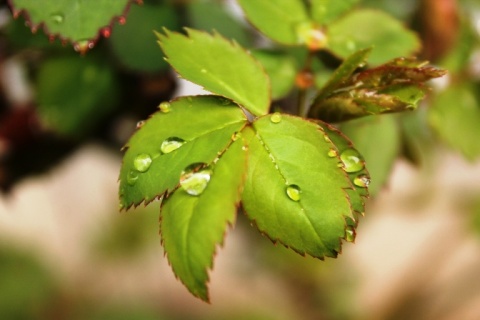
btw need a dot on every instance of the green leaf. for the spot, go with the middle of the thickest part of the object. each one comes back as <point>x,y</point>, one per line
<point>454,115</point>
<point>193,131</point>
<point>280,20</point>
<point>220,66</point>
<point>369,134</point>
<point>134,43</point>
<point>78,21</point>
<point>366,28</point>
<point>211,15</point>
<point>281,69</point>
<point>295,191</point>
<point>193,226</point>
<point>350,158</point>
<point>326,11</point>
<point>75,93</point>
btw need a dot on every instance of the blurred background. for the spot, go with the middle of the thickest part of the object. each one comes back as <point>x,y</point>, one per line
<point>67,253</point>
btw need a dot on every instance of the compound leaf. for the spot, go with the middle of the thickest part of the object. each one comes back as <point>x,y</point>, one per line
<point>296,191</point>
<point>193,225</point>
<point>366,28</point>
<point>194,130</point>
<point>78,21</point>
<point>280,20</point>
<point>218,65</point>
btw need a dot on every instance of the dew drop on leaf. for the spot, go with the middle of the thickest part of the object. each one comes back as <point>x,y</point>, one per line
<point>332,153</point>
<point>194,178</point>
<point>164,107</point>
<point>203,70</point>
<point>142,162</point>
<point>140,124</point>
<point>293,192</point>
<point>276,117</point>
<point>171,144</point>
<point>57,18</point>
<point>361,181</point>
<point>132,177</point>
<point>351,161</point>
<point>350,234</point>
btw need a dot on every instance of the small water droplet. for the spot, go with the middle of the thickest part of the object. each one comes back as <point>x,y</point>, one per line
<point>203,70</point>
<point>140,124</point>
<point>142,162</point>
<point>351,160</point>
<point>195,178</point>
<point>236,136</point>
<point>164,107</point>
<point>276,117</point>
<point>122,20</point>
<point>132,177</point>
<point>350,234</point>
<point>171,144</point>
<point>106,32</point>
<point>83,46</point>
<point>361,181</point>
<point>351,45</point>
<point>332,153</point>
<point>293,192</point>
<point>57,18</point>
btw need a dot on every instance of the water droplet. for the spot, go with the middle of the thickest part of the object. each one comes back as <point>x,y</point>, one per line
<point>350,234</point>
<point>83,46</point>
<point>195,178</point>
<point>57,18</point>
<point>132,177</point>
<point>276,117</point>
<point>351,45</point>
<point>332,153</point>
<point>293,192</point>
<point>362,181</point>
<point>122,20</point>
<point>351,160</point>
<point>203,70</point>
<point>171,144</point>
<point>164,107</point>
<point>106,32</point>
<point>142,162</point>
<point>140,124</point>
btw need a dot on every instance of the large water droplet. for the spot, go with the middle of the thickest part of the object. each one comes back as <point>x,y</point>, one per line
<point>276,117</point>
<point>361,181</point>
<point>195,178</point>
<point>57,18</point>
<point>142,162</point>
<point>132,177</point>
<point>351,160</point>
<point>164,107</point>
<point>171,144</point>
<point>293,192</point>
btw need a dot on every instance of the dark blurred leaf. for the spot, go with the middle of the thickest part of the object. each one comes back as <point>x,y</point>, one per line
<point>210,15</point>
<point>366,28</point>
<point>135,45</point>
<point>280,20</point>
<point>281,69</point>
<point>27,287</point>
<point>455,116</point>
<point>75,93</point>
